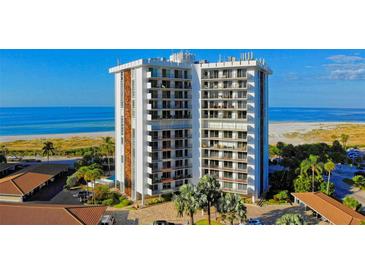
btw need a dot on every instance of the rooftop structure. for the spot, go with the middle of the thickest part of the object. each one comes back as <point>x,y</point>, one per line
<point>330,209</point>
<point>19,185</point>
<point>46,214</point>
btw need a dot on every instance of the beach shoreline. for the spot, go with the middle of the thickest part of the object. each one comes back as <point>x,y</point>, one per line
<point>287,132</point>
<point>57,136</point>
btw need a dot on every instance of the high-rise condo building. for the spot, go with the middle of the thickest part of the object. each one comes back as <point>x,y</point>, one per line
<point>176,120</point>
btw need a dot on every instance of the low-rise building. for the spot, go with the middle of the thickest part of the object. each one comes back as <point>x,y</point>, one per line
<point>20,185</point>
<point>328,208</point>
<point>46,214</point>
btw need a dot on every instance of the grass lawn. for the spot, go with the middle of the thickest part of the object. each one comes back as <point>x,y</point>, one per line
<point>205,222</point>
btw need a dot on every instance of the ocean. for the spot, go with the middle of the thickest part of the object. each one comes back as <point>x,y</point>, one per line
<point>61,120</point>
<point>55,120</point>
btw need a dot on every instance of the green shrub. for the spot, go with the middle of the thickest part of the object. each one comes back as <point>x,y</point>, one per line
<point>167,197</point>
<point>352,203</point>
<point>282,196</point>
<point>154,201</point>
<point>115,196</point>
<point>108,202</point>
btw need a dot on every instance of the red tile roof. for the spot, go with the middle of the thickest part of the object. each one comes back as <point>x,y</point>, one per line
<point>329,208</point>
<point>45,214</point>
<point>24,181</point>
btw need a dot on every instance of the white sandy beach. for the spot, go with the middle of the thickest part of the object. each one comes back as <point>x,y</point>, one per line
<point>277,131</point>
<point>56,136</point>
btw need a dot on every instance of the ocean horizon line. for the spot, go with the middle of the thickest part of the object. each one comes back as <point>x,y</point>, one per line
<point>93,106</point>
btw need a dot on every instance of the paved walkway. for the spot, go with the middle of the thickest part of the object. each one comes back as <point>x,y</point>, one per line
<point>166,211</point>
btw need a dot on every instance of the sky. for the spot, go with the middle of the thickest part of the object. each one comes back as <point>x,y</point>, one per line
<point>301,78</point>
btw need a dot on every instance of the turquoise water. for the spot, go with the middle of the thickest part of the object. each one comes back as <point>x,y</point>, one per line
<point>55,120</point>
<point>60,120</point>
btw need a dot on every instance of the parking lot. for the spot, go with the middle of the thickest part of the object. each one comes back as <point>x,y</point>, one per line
<point>54,193</point>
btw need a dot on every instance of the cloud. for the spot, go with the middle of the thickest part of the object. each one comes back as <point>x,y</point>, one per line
<point>345,67</point>
<point>345,58</point>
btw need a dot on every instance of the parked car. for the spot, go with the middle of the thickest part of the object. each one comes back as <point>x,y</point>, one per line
<point>254,221</point>
<point>107,220</point>
<point>83,195</point>
<point>162,222</point>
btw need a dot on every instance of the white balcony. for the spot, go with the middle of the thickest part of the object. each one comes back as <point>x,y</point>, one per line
<point>149,74</point>
<point>149,170</point>
<point>149,149</point>
<point>149,85</point>
<point>149,106</point>
<point>149,118</point>
<point>149,181</point>
<point>149,160</point>
<point>149,137</point>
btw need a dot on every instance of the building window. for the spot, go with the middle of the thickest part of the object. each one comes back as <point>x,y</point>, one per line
<point>166,164</point>
<point>155,187</point>
<point>227,164</point>
<point>242,166</point>
<point>242,187</point>
<point>242,176</point>
<point>179,183</point>
<point>166,155</point>
<point>179,153</point>
<point>228,175</point>
<point>227,185</point>
<point>166,186</point>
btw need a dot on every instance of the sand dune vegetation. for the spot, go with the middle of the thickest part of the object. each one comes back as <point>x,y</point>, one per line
<point>72,146</point>
<point>327,134</point>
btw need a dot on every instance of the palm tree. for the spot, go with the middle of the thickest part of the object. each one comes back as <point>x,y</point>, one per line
<point>290,219</point>
<point>344,138</point>
<point>80,174</point>
<point>209,193</point>
<point>4,150</point>
<point>48,149</point>
<point>107,149</point>
<point>311,164</point>
<point>231,207</point>
<point>92,174</point>
<point>187,201</point>
<point>329,167</point>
